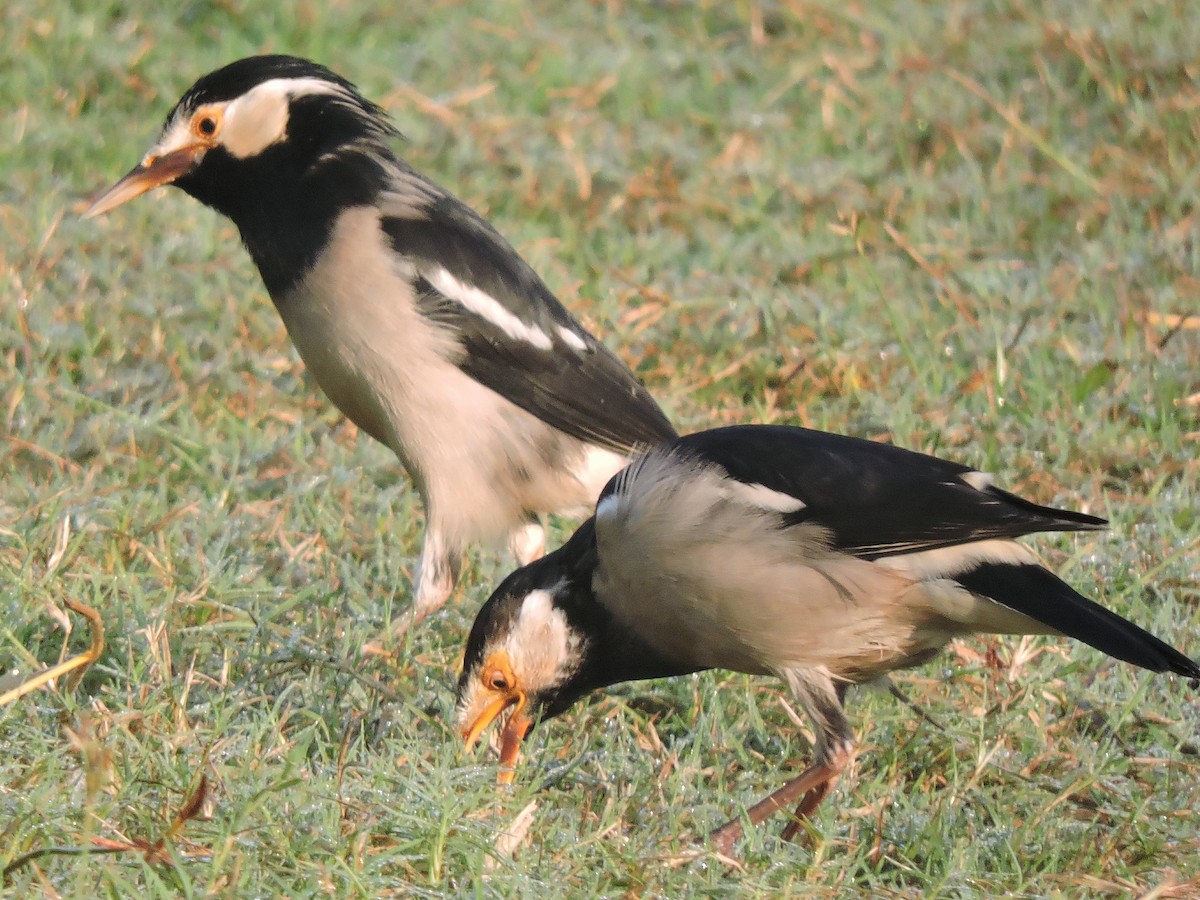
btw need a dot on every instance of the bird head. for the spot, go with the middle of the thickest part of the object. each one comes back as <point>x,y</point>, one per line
<point>528,654</point>
<point>264,115</point>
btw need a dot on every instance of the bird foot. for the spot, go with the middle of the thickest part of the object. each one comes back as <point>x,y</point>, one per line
<point>723,839</point>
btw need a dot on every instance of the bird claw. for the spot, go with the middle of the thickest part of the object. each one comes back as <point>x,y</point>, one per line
<point>723,839</point>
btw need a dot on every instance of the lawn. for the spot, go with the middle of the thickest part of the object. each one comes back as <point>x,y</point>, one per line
<point>966,228</point>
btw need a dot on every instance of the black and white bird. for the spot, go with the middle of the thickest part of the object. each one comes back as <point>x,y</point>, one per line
<point>417,319</point>
<point>825,560</point>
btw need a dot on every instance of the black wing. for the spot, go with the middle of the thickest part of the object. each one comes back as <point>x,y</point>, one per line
<point>527,347</point>
<point>876,499</point>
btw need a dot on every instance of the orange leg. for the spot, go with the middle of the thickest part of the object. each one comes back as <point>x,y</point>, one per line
<point>812,786</point>
<point>808,805</point>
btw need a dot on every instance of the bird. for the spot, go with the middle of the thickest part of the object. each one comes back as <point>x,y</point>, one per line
<point>823,559</point>
<point>417,319</point>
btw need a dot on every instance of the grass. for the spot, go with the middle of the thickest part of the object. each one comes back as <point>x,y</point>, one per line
<point>966,228</point>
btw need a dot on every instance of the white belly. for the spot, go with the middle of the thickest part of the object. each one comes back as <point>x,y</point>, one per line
<point>481,463</point>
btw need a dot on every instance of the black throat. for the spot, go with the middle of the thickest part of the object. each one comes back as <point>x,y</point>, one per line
<point>286,200</point>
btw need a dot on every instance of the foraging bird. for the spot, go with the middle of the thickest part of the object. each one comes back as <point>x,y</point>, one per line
<point>417,319</point>
<point>823,559</point>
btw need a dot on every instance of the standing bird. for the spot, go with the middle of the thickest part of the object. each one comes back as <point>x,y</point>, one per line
<point>825,560</point>
<point>417,319</point>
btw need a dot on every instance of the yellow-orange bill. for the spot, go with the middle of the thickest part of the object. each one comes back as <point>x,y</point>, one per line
<point>514,732</point>
<point>486,717</point>
<point>150,173</point>
<point>510,744</point>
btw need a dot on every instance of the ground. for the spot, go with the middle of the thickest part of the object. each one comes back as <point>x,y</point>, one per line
<point>965,228</point>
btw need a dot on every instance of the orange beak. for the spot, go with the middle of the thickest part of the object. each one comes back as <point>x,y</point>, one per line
<point>150,173</point>
<point>514,732</point>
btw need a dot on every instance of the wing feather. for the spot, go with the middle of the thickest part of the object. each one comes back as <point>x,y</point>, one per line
<point>516,338</point>
<point>877,500</point>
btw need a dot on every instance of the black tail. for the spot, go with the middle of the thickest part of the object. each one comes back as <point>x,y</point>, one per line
<point>1037,593</point>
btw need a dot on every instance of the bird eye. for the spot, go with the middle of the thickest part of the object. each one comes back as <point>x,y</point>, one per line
<point>205,125</point>
<point>498,682</point>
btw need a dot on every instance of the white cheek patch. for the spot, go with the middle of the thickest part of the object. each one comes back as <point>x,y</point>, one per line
<point>541,648</point>
<point>541,645</point>
<point>254,122</point>
<point>259,118</point>
<point>251,123</point>
<point>487,307</point>
<point>763,497</point>
<point>539,621</point>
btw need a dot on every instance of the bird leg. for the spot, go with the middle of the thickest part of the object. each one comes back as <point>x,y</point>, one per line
<point>437,573</point>
<point>528,541</point>
<point>812,785</point>
<point>811,800</point>
<point>822,698</point>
